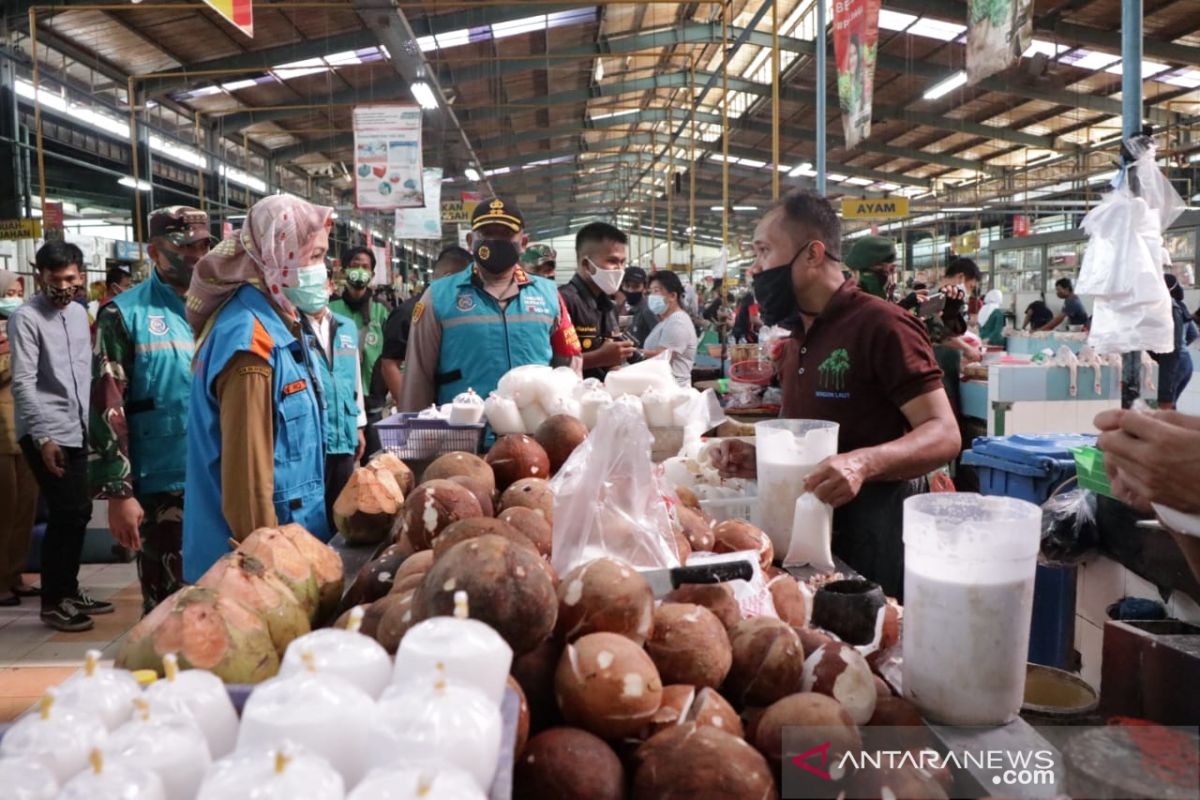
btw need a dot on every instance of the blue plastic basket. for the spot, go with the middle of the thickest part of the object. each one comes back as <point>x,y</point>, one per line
<point>412,439</point>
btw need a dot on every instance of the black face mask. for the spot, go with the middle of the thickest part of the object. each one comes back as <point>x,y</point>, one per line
<point>496,255</point>
<point>633,298</point>
<point>773,288</point>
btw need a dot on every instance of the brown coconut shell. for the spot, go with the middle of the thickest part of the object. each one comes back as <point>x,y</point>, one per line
<point>710,708</point>
<point>840,671</point>
<point>532,493</point>
<point>896,712</point>
<point>812,638</point>
<point>791,603</point>
<point>689,645</point>
<point>415,564</point>
<point>535,672</point>
<point>395,621</point>
<point>568,764</point>
<point>517,456</point>
<point>823,716</point>
<point>604,595</point>
<point>400,471</point>
<point>559,435</point>
<point>683,548</point>
<point>911,783</point>
<point>716,597</point>
<point>701,761</point>
<point>687,497</point>
<point>506,587</point>
<point>677,700</point>
<point>696,528</point>
<point>375,579</point>
<point>434,506</point>
<point>606,684</point>
<point>466,529</point>
<point>734,535</point>
<point>532,524</point>
<point>366,508</point>
<point>486,499</point>
<point>409,583</point>
<point>374,613</point>
<point>522,716</point>
<point>244,578</point>
<point>768,662</point>
<point>461,465</point>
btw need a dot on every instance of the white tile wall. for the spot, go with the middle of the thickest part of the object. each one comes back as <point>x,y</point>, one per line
<point>1091,641</point>
<point>1053,417</point>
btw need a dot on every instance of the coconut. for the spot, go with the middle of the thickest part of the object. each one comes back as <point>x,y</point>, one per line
<point>523,716</point>
<point>205,630</point>
<point>734,535</point>
<point>812,638</point>
<point>696,528</point>
<point>395,621</point>
<point>716,597</point>
<point>374,612</point>
<point>366,507</point>
<point>815,719</point>
<point>895,712</point>
<point>909,782</point>
<point>677,700</point>
<point>244,578</point>
<point>375,579</point>
<point>534,671</point>
<point>532,524</point>
<point>466,529</point>
<point>531,493</point>
<point>570,764</point>
<point>689,645</point>
<point>270,546</point>
<point>682,546</point>
<point>486,499</point>
<point>559,436</point>
<point>840,671</point>
<point>887,635</point>
<point>687,497</point>
<point>409,583</point>
<point>433,506</point>
<point>515,457</point>
<point>605,595</point>
<point>400,471</point>
<point>464,465</point>
<point>710,708</point>
<point>882,690</point>
<point>606,684</point>
<point>506,586</point>
<point>790,601</point>
<point>415,564</point>
<point>691,760</point>
<point>768,662</point>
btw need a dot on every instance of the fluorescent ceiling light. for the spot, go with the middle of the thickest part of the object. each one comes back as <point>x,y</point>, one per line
<point>854,181</point>
<point>243,178</point>
<point>1087,59</point>
<point>937,29</point>
<point>751,162</point>
<point>236,85</point>
<point>141,186</point>
<point>471,174</point>
<point>296,69</point>
<point>894,21</point>
<point>499,171</point>
<point>944,87</point>
<point>803,169</point>
<point>599,73</point>
<point>836,177</point>
<point>424,95</point>
<point>745,208</point>
<point>612,114</point>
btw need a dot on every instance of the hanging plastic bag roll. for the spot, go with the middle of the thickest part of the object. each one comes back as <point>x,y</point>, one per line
<point>812,534</point>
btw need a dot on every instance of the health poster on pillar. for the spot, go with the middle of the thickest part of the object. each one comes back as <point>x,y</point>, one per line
<point>855,43</point>
<point>424,222</point>
<point>387,157</point>
<point>998,32</point>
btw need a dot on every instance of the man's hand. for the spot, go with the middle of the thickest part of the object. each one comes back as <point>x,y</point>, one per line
<point>362,445</point>
<point>970,353</point>
<point>734,458</point>
<point>954,291</point>
<point>612,353</point>
<point>1152,457</point>
<point>54,459</point>
<point>125,517</point>
<point>837,480</point>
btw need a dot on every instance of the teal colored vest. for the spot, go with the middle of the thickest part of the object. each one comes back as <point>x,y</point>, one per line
<point>156,405</point>
<point>338,382</point>
<point>480,341</point>
<point>299,429</point>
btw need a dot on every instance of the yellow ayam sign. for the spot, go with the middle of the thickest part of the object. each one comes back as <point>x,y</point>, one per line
<point>874,207</point>
<point>20,229</point>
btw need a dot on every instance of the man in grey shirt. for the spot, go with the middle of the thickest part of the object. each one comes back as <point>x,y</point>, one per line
<point>51,379</point>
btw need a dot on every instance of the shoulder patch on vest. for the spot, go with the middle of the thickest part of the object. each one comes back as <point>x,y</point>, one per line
<point>295,386</point>
<point>418,310</point>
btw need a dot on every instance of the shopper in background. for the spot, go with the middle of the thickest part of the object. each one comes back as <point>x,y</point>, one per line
<point>991,318</point>
<point>1037,314</point>
<point>116,281</point>
<point>18,488</point>
<point>255,420</point>
<point>861,362</point>
<point>1073,311</point>
<point>746,320</point>
<point>874,259</point>
<point>675,331</point>
<point>541,260</point>
<point>51,373</point>
<point>601,252</point>
<point>370,317</point>
<point>471,328</point>
<point>1175,368</point>
<point>450,261</point>
<point>643,319</point>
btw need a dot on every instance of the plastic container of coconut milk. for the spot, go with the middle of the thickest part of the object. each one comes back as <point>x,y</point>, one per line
<point>787,450</point>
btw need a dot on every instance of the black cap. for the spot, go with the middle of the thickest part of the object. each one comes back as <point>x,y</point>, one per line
<point>635,274</point>
<point>497,211</point>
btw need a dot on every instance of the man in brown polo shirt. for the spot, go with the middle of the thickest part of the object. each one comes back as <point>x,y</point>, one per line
<point>859,361</point>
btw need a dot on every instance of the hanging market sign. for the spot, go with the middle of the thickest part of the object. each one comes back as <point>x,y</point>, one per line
<point>874,207</point>
<point>424,222</point>
<point>458,212</point>
<point>855,43</point>
<point>387,157</point>
<point>20,229</point>
<point>998,32</point>
<point>966,244</point>
<point>238,13</point>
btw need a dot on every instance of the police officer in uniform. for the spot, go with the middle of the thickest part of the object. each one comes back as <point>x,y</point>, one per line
<point>470,328</point>
<point>141,380</point>
<point>601,250</point>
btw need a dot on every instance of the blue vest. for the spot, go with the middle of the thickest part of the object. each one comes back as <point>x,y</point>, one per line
<point>339,380</point>
<point>481,341</point>
<point>156,404</point>
<point>248,323</point>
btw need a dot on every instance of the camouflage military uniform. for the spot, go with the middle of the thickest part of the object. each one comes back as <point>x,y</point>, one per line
<point>159,562</point>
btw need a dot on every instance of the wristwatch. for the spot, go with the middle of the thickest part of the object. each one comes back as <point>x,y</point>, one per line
<point>42,441</point>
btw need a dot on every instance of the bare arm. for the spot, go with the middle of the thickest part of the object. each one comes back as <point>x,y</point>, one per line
<point>393,376</point>
<point>1054,323</point>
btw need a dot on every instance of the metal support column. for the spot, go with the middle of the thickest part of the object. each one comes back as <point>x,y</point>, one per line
<point>725,125</point>
<point>134,145</point>
<point>821,50</point>
<point>1131,112</point>
<point>692,178</point>
<point>775,165</point>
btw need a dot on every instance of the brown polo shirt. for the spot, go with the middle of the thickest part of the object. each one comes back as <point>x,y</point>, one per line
<point>857,364</point>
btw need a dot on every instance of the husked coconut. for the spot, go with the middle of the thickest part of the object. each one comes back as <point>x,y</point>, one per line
<point>735,535</point>
<point>433,506</point>
<point>568,764</point>
<point>531,523</point>
<point>819,718</point>
<point>791,603</point>
<point>465,465</point>
<point>689,645</point>
<point>517,456</point>
<point>887,634</point>
<point>374,612</point>
<point>768,662</point>
<point>300,558</point>
<point>896,712</point>
<point>532,493</point>
<point>408,583</point>
<point>606,684</point>
<point>696,528</point>
<point>710,708</point>
<point>902,780</point>
<point>716,597</point>
<point>690,760</point>
<point>535,672</point>
<point>559,435</point>
<point>400,471</point>
<point>687,497</point>
<point>840,671</point>
<point>882,690</point>
<point>812,638</point>
<point>506,588</point>
<point>375,579</point>
<point>486,499</point>
<point>244,578</point>
<point>523,716</point>
<point>366,508</point>
<point>415,564</point>
<point>604,595</point>
<point>683,548</point>
<point>395,619</point>
<point>466,529</point>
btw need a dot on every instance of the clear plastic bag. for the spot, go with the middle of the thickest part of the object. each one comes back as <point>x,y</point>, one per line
<point>608,503</point>
<point>1069,530</point>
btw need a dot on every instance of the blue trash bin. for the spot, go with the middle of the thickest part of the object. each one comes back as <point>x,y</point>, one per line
<point>1029,467</point>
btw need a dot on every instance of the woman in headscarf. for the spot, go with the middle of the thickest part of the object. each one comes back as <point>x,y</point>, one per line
<point>18,487</point>
<point>255,430</point>
<point>991,318</point>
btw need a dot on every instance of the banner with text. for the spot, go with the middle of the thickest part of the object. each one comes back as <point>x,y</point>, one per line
<point>20,229</point>
<point>458,212</point>
<point>387,157</point>
<point>855,43</point>
<point>426,222</point>
<point>874,207</point>
<point>998,32</point>
<point>239,13</point>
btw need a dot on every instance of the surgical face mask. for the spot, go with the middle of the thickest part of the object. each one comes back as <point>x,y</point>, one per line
<point>657,303</point>
<point>309,294</point>
<point>608,281</point>
<point>773,288</point>
<point>9,304</point>
<point>60,296</point>
<point>496,255</point>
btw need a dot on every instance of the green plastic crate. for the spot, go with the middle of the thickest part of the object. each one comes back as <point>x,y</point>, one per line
<point>1089,470</point>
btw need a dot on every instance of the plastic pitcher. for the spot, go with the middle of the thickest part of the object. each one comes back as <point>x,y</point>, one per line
<point>969,566</point>
<point>788,450</point>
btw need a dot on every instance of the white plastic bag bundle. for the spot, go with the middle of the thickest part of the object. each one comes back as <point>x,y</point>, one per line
<point>635,379</point>
<point>502,415</point>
